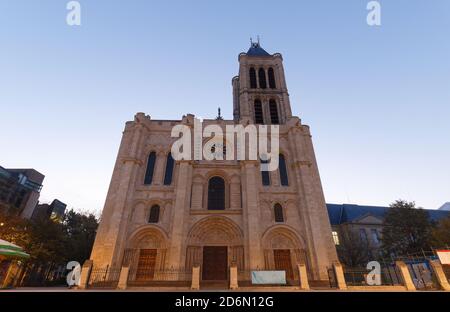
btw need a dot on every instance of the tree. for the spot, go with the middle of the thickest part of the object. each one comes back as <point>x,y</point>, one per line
<point>50,243</point>
<point>441,233</point>
<point>80,234</point>
<point>352,250</point>
<point>407,229</point>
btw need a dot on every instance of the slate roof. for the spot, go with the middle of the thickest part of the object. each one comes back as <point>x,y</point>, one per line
<point>345,213</point>
<point>256,50</point>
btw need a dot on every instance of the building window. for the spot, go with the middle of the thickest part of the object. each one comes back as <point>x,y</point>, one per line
<point>169,170</point>
<point>150,168</point>
<point>259,117</point>
<point>273,107</point>
<point>154,214</point>
<point>335,237</point>
<point>216,194</point>
<point>278,211</point>
<point>262,78</point>
<point>363,235</point>
<point>283,171</point>
<point>375,237</point>
<point>265,175</point>
<point>271,78</point>
<point>253,78</point>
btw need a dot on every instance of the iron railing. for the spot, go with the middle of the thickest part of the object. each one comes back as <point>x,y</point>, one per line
<point>165,277</point>
<point>106,278</point>
<point>389,276</point>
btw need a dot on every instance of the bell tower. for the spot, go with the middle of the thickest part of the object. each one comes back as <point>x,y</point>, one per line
<point>260,94</point>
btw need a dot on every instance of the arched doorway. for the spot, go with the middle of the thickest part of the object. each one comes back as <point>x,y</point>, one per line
<point>146,253</point>
<point>283,250</point>
<point>214,243</point>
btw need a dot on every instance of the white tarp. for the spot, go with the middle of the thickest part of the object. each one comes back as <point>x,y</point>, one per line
<point>444,256</point>
<point>268,277</point>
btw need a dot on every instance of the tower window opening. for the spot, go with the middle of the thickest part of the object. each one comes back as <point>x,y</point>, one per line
<point>262,78</point>
<point>271,73</point>
<point>259,117</point>
<point>253,78</point>
<point>273,107</point>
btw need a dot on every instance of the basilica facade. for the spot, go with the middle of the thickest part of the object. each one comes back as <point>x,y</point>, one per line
<point>163,213</point>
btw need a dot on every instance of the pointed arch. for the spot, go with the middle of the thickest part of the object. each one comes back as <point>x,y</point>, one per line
<point>273,108</point>
<point>259,115</point>
<point>262,78</point>
<point>278,213</point>
<point>271,74</point>
<point>252,74</point>
<point>284,180</point>
<point>150,168</point>
<point>216,193</point>
<point>154,214</point>
<point>169,170</point>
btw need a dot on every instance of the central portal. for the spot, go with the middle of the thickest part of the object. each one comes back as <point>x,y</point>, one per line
<point>215,263</point>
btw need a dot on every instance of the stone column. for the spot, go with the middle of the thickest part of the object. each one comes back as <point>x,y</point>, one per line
<point>235,194</point>
<point>178,215</point>
<point>233,277</point>
<point>440,274</point>
<point>252,212</point>
<point>406,276</point>
<point>340,278</point>
<point>195,278</point>
<point>123,278</point>
<point>197,194</point>
<point>303,276</point>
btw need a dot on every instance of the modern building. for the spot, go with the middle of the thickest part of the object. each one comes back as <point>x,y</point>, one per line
<point>161,214</point>
<point>366,222</point>
<point>19,191</point>
<point>54,211</point>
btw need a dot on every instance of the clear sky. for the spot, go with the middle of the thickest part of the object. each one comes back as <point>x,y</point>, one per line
<point>377,98</point>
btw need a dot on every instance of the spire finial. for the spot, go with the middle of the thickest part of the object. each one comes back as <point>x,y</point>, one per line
<point>219,116</point>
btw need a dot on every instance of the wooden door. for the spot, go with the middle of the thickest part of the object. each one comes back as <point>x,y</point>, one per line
<point>215,263</point>
<point>282,259</point>
<point>146,264</point>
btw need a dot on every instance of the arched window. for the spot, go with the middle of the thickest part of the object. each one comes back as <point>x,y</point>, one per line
<point>262,78</point>
<point>271,73</point>
<point>216,194</point>
<point>265,176</point>
<point>150,168</point>
<point>154,214</point>
<point>273,112</point>
<point>278,212</point>
<point>283,171</point>
<point>253,78</point>
<point>259,117</point>
<point>169,170</point>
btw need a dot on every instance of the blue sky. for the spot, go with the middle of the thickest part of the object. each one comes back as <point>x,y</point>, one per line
<point>377,98</point>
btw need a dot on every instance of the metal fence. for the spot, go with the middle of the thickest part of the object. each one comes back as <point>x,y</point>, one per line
<point>104,278</point>
<point>389,276</point>
<point>174,277</point>
<point>332,277</point>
